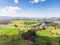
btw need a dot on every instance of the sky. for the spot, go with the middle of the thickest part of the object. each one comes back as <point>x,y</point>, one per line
<point>30,8</point>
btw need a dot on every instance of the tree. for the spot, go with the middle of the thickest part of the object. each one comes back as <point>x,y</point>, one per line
<point>15,26</point>
<point>44,28</point>
<point>29,35</point>
<point>59,42</point>
<point>6,35</point>
<point>48,43</point>
<point>19,32</point>
<point>12,39</point>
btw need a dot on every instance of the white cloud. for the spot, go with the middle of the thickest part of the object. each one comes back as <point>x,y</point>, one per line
<point>9,11</point>
<point>36,1</point>
<point>16,1</point>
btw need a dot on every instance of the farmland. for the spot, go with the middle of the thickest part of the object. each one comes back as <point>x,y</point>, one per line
<point>11,33</point>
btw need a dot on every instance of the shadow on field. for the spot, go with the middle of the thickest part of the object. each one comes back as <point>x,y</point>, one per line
<point>38,40</point>
<point>45,40</point>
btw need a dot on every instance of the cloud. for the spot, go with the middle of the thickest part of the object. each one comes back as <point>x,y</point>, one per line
<point>9,10</point>
<point>37,1</point>
<point>16,1</point>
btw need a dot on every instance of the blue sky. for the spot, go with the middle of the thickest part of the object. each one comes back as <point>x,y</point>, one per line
<point>30,8</point>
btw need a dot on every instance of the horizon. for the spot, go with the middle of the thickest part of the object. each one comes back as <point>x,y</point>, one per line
<point>30,17</point>
<point>30,8</point>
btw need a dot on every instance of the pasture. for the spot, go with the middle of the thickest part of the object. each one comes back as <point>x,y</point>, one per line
<point>12,33</point>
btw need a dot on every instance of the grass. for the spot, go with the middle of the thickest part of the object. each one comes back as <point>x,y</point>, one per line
<point>21,23</point>
<point>8,31</point>
<point>42,37</point>
<point>12,33</point>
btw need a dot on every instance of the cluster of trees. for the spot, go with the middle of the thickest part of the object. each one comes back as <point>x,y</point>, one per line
<point>29,35</point>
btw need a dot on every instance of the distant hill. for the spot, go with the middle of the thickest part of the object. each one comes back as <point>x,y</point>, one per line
<point>51,18</point>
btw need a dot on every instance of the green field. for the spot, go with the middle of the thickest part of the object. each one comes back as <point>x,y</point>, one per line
<point>43,36</point>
